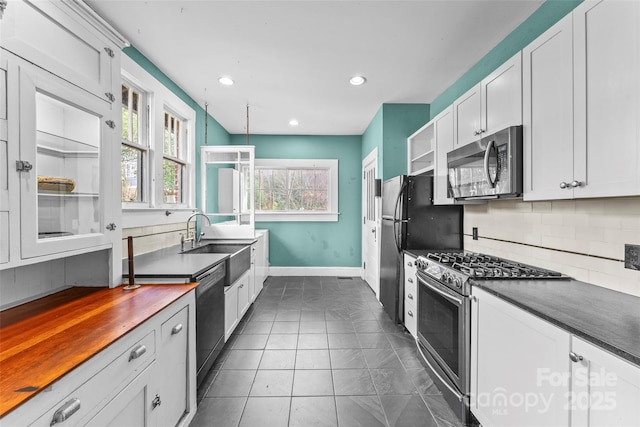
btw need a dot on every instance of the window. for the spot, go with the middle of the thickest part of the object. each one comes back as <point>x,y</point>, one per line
<point>173,167</point>
<point>296,190</point>
<point>158,148</point>
<point>134,146</point>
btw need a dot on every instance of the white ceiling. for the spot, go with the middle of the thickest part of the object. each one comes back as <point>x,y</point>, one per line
<point>293,59</point>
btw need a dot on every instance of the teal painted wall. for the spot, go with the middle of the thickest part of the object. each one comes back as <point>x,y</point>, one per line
<point>216,134</point>
<point>550,12</point>
<point>388,132</point>
<point>372,138</point>
<point>317,244</point>
<point>399,122</point>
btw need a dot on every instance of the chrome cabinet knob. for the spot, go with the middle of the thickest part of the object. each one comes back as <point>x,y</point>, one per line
<point>575,357</point>
<point>410,313</point>
<point>409,296</point>
<point>563,185</point>
<point>576,184</point>
<point>410,280</point>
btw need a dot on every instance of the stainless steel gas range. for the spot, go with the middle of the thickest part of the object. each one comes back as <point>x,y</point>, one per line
<point>444,313</point>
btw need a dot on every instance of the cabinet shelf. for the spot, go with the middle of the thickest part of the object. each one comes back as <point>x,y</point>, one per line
<point>58,145</point>
<point>424,157</point>
<point>72,195</point>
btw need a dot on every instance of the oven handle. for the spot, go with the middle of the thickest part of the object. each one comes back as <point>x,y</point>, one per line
<point>446,384</point>
<point>444,294</point>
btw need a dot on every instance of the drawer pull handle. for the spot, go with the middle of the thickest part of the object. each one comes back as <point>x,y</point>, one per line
<point>409,296</point>
<point>410,280</point>
<point>66,411</point>
<point>137,352</point>
<point>176,329</point>
<point>410,313</point>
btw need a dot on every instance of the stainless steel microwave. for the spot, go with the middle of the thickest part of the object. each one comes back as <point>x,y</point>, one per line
<point>489,168</point>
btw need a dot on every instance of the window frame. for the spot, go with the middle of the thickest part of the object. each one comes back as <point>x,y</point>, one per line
<point>331,215</point>
<point>159,98</point>
<point>143,145</point>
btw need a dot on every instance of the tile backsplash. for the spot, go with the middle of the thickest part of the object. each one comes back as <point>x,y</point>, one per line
<point>582,238</point>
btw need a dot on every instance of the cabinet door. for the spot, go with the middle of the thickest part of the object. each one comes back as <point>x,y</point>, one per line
<point>172,363</point>
<point>253,273</point>
<point>60,44</point>
<point>4,166</point>
<point>230,310</point>
<point>607,87</point>
<point>243,294</point>
<point>605,389</point>
<point>131,407</point>
<point>501,94</point>
<point>548,113</point>
<point>444,144</point>
<point>260,264</point>
<point>519,366</point>
<point>63,136</point>
<point>467,112</point>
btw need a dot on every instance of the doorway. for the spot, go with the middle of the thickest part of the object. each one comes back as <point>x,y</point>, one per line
<point>370,222</point>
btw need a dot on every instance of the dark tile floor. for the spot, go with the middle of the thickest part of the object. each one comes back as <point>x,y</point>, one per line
<point>319,351</point>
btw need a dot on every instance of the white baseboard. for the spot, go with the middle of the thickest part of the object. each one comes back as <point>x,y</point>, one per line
<point>316,271</point>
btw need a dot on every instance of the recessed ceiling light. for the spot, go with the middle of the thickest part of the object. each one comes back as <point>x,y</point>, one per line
<point>225,81</point>
<point>293,122</point>
<point>357,80</point>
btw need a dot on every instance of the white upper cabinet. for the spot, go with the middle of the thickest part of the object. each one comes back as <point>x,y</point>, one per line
<point>582,105</point>
<point>421,150</point>
<point>444,143</point>
<point>606,51</point>
<point>492,105</point>
<point>60,132</point>
<point>227,190</point>
<point>548,112</point>
<point>63,143</point>
<point>70,41</point>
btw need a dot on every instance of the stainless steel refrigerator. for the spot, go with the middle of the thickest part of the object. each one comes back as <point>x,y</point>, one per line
<point>411,221</point>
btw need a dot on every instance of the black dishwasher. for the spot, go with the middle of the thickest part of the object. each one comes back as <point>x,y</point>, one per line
<point>209,318</point>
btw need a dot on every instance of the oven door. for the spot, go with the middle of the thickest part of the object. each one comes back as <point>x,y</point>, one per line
<point>444,329</point>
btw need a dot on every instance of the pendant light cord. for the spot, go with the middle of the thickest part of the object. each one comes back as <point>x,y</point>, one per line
<point>247,124</point>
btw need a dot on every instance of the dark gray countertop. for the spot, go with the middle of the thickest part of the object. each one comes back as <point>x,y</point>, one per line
<point>606,318</point>
<point>170,263</point>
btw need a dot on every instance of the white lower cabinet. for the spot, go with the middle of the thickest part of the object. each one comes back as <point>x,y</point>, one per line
<point>146,378</point>
<point>174,365</point>
<point>236,303</point>
<point>517,363</point>
<point>129,407</point>
<point>605,389</point>
<point>528,372</point>
<point>410,295</point>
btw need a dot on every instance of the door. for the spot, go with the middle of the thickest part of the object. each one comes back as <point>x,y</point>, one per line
<point>370,222</point>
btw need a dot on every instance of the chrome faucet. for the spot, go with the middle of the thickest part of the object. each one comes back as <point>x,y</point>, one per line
<point>196,238</point>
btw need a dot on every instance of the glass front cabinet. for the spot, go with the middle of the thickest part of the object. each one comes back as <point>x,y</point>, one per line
<point>63,156</point>
<point>59,136</point>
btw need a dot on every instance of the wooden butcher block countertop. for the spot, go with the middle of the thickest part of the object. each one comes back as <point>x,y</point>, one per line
<point>43,340</point>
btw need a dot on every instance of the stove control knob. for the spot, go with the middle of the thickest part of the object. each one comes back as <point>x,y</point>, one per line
<point>458,282</point>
